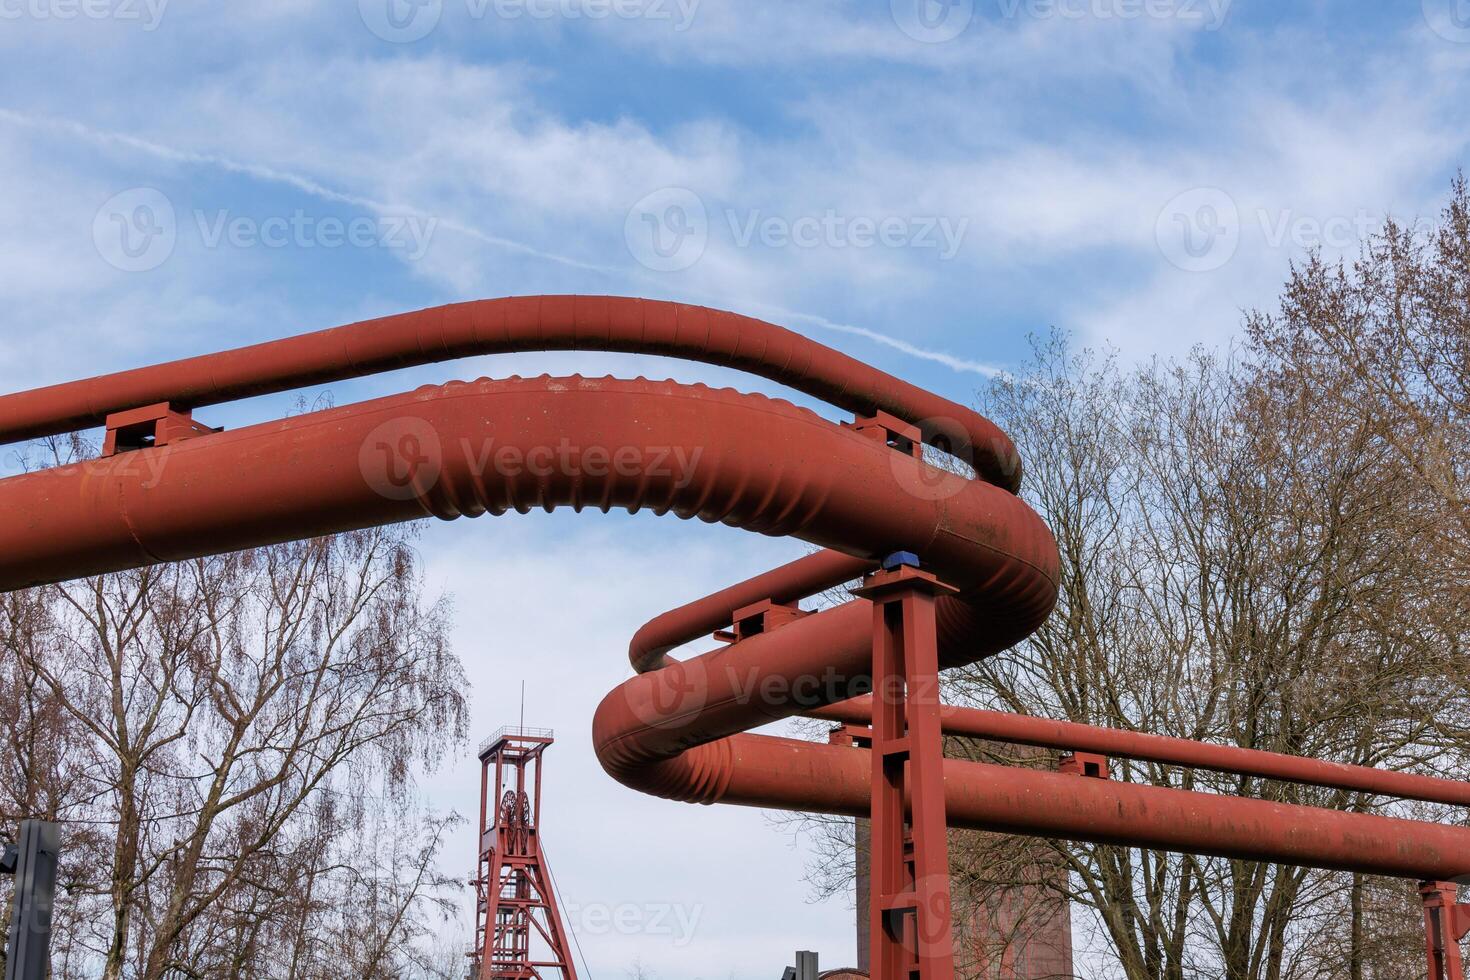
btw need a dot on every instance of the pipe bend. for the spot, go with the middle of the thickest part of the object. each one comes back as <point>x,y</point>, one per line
<point>760,464</point>
<point>521,323</point>
<point>491,447</point>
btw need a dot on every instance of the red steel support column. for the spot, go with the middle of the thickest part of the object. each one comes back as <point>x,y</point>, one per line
<point>912,929</point>
<point>1445,923</point>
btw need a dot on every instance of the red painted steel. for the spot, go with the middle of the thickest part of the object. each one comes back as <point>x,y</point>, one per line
<point>1446,922</point>
<point>911,929</point>
<point>466,449</point>
<point>786,584</point>
<point>787,774</point>
<point>606,323</point>
<point>516,903</point>
<point>1072,737</point>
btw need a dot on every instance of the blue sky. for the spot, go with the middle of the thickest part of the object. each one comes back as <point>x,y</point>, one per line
<point>919,183</point>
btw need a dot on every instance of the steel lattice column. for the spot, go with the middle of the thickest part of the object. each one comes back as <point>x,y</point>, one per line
<point>516,900</point>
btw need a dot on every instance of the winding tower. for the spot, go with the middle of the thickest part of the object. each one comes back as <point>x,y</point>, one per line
<point>519,932</point>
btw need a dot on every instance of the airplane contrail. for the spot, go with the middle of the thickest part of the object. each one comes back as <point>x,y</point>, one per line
<point>314,188</point>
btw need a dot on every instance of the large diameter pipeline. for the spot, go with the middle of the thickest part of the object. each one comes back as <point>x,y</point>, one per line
<point>495,446</point>
<point>467,449</point>
<point>750,462</point>
<point>778,773</point>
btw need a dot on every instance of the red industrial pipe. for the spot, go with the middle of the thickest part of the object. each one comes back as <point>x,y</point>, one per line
<point>522,323</point>
<point>1072,737</point>
<point>1011,800</point>
<point>466,449</point>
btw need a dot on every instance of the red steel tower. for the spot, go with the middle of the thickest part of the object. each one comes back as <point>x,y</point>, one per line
<point>519,933</point>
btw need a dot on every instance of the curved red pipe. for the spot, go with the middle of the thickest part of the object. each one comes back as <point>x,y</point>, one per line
<point>760,464</point>
<point>522,323</point>
<point>744,460</point>
<point>787,584</point>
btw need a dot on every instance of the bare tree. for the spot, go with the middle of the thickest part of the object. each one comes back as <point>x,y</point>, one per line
<point>1261,548</point>
<point>229,725</point>
<point>1389,337</point>
<point>1234,570</point>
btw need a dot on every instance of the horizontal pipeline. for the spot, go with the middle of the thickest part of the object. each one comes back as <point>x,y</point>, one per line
<point>762,771</point>
<point>1070,736</point>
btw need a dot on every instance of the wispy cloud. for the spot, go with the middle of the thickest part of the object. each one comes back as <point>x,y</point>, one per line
<point>315,188</point>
